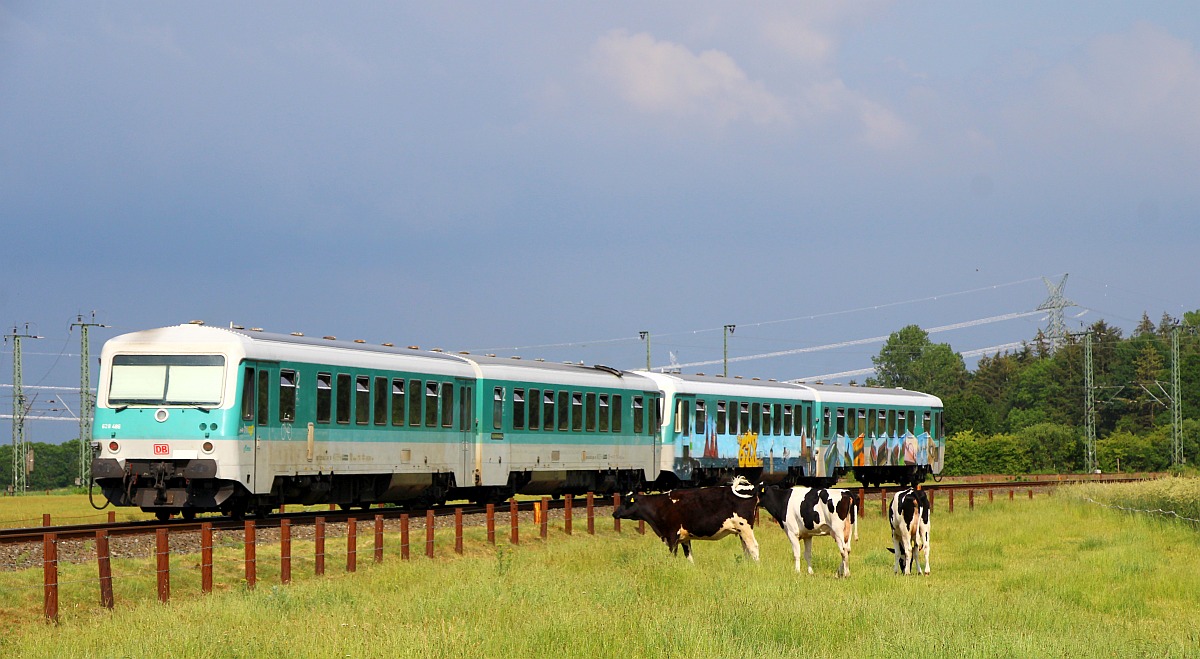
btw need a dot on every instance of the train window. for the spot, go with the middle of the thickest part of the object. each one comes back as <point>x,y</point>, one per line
<point>756,418</point>
<point>937,425</point>
<point>342,396</point>
<point>777,418</point>
<point>605,413</point>
<point>891,423</point>
<point>926,418</point>
<point>362,400</point>
<point>414,402</point>
<point>900,422</point>
<point>655,420</point>
<point>248,398</point>
<point>683,415</point>
<point>618,411</point>
<point>431,404</point>
<point>788,427</point>
<point>744,420</point>
<point>826,423</point>
<point>576,411</point>
<point>287,396</point>
<point>324,397</point>
<point>841,422</point>
<point>518,409</point>
<point>720,417</point>
<point>446,396</point>
<point>590,408</point>
<point>380,410</point>
<point>166,380</point>
<point>639,415</point>
<point>535,409</point>
<point>860,428</point>
<point>701,417</point>
<point>912,421</point>
<point>734,427</point>
<point>397,402</point>
<point>564,411</point>
<point>548,411</point>
<point>871,423</point>
<point>497,408</point>
<point>466,403</point>
<point>264,397</point>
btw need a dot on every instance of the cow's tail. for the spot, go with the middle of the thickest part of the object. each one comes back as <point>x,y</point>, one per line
<point>854,518</point>
<point>742,487</point>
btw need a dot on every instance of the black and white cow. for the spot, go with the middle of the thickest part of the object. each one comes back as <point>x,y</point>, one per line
<point>909,516</point>
<point>703,513</point>
<point>805,512</point>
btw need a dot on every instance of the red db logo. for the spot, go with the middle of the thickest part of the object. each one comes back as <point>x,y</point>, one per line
<point>162,449</point>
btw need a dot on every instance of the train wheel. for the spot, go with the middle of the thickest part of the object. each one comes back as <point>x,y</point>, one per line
<point>188,514</point>
<point>162,515</point>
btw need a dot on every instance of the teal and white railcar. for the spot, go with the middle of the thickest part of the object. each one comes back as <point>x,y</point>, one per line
<point>193,418</point>
<point>782,432</point>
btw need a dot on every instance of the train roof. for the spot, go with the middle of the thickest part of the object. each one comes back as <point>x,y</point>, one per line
<point>823,393</point>
<point>255,344</point>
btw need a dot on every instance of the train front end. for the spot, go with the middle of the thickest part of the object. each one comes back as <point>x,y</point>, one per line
<point>165,436</point>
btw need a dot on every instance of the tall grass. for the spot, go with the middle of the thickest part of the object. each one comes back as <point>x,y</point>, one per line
<point>1049,577</point>
<point>1174,497</point>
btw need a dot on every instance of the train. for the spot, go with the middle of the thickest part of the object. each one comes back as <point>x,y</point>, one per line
<point>195,419</point>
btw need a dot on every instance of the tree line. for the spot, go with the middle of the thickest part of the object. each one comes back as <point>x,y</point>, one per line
<point>54,466</point>
<point>1022,411</point>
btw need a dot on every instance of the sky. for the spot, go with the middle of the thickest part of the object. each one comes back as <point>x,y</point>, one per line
<point>552,179</point>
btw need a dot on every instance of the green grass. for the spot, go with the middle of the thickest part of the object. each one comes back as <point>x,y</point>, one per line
<point>1055,576</point>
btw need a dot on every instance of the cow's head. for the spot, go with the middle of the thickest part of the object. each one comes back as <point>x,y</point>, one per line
<point>630,506</point>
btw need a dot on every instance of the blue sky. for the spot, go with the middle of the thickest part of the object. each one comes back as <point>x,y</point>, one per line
<point>549,179</point>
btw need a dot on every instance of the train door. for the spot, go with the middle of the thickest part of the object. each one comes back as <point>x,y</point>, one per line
<point>259,398</point>
<point>493,445</point>
<point>465,425</point>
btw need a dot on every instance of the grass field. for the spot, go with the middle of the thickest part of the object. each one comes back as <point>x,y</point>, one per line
<point>1056,576</point>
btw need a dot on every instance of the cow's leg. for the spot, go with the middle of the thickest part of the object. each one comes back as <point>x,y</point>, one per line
<point>898,554</point>
<point>687,550</point>
<point>749,542</point>
<point>843,545</point>
<point>925,547</point>
<point>808,552</point>
<point>904,554</point>
<point>795,540</point>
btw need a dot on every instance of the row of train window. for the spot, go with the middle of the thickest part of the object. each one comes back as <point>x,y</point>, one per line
<point>781,419</point>
<point>363,400</point>
<point>573,411</point>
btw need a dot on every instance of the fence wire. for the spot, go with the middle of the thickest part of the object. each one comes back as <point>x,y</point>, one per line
<point>1156,511</point>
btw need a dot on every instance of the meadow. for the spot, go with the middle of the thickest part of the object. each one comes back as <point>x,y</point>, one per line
<point>1056,576</point>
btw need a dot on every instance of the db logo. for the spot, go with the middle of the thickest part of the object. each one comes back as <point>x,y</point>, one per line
<point>162,449</point>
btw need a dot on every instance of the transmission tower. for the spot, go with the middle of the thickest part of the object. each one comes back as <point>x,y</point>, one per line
<point>1176,403</point>
<point>1055,304</point>
<point>20,460</point>
<point>87,400</point>
<point>1089,406</point>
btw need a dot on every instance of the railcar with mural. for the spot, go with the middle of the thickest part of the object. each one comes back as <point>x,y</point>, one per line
<point>192,419</point>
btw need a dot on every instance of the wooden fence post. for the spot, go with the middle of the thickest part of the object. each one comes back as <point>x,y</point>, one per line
<point>46,519</point>
<point>206,557</point>
<point>491,523</point>
<point>971,499</point>
<point>379,538</point>
<point>404,536</point>
<point>951,504</point>
<point>251,559</point>
<point>514,519</point>
<point>545,517</point>
<point>112,517</point>
<point>458,540</point>
<point>163,554</point>
<point>616,520</point>
<point>591,515</point>
<point>285,551</point>
<point>351,544</point>
<point>104,566</point>
<point>319,548</point>
<point>50,575</point>
<point>568,503</point>
<point>429,533</point>
<point>883,502</point>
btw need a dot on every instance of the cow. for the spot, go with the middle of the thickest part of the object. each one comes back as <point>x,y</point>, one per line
<point>705,513</point>
<point>909,517</point>
<point>804,513</point>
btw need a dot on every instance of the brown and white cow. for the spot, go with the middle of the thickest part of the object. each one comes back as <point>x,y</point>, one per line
<point>804,513</point>
<point>703,513</point>
<point>909,517</point>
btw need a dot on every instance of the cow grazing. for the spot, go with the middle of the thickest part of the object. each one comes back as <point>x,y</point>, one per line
<point>704,513</point>
<point>909,516</point>
<point>804,512</point>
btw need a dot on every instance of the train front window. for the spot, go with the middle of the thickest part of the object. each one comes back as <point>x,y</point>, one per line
<point>166,380</point>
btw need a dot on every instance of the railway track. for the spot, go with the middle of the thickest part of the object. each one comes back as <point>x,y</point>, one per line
<point>35,534</point>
